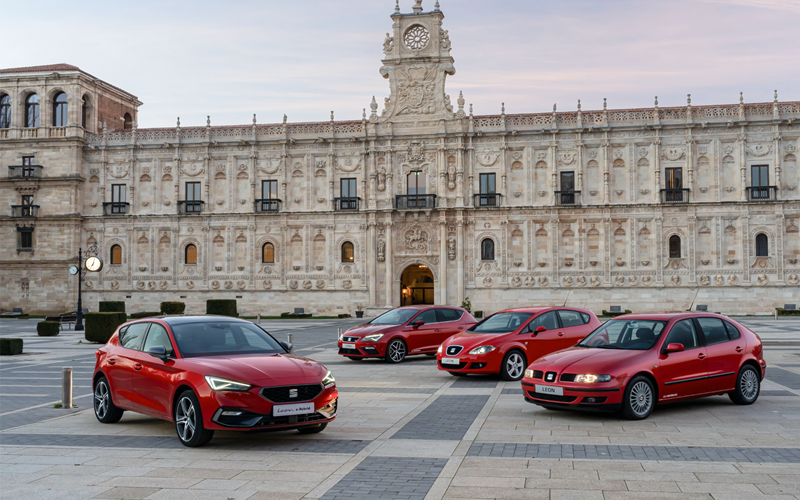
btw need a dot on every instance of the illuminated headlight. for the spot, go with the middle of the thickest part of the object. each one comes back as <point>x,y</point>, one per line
<point>591,379</point>
<point>223,384</point>
<point>529,373</point>
<point>373,338</point>
<point>328,381</point>
<point>439,350</point>
<point>483,349</point>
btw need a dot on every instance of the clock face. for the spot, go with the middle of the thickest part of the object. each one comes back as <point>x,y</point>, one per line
<point>73,270</point>
<point>94,264</point>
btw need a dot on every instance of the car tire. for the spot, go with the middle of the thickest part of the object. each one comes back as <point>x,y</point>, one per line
<point>104,408</point>
<point>748,386</point>
<point>396,351</point>
<point>312,429</point>
<point>514,364</point>
<point>353,358</point>
<point>639,399</point>
<point>457,374</point>
<point>189,421</point>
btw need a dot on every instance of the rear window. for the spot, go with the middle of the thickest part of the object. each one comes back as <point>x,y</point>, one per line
<point>570,318</point>
<point>448,315</point>
<point>132,337</point>
<point>733,332</point>
<point>713,330</point>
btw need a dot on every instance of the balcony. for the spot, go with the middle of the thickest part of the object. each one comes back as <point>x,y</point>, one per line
<point>268,205</point>
<point>568,198</point>
<point>115,208</point>
<point>25,211</point>
<point>486,200</point>
<point>675,196</point>
<point>414,201</point>
<point>346,204</point>
<point>762,193</point>
<point>190,207</point>
<point>24,171</point>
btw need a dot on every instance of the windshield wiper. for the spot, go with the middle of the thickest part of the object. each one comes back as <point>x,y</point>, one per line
<point>607,346</point>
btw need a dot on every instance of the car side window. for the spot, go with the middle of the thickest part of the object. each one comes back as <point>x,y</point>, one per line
<point>570,318</point>
<point>683,332</point>
<point>713,330</point>
<point>158,336</point>
<point>586,318</point>
<point>549,320</point>
<point>443,315</point>
<point>132,339</point>
<point>428,317</point>
<point>733,332</point>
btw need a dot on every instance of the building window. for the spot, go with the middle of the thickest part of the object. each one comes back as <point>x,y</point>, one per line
<point>127,122</point>
<point>116,254</point>
<point>25,242</point>
<point>27,199</point>
<point>759,175</point>
<point>269,190</point>
<point>27,166</point>
<point>193,198</point>
<point>348,255</point>
<point>567,182</point>
<point>674,247</point>
<point>348,188</point>
<point>5,111</point>
<point>416,183</point>
<point>190,254</point>
<point>674,178</point>
<point>487,249</point>
<point>32,111</point>
<point>762,245</point>
<point>60,110</point>
<point>84,111</point>
<point>268,253</point>
<point>487,184</point>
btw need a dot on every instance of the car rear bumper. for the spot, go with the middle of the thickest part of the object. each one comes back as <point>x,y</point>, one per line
<point>576,398</point>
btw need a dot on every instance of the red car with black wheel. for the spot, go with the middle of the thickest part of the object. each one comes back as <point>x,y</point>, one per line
<point>636,361</point>
<point>505,341</point>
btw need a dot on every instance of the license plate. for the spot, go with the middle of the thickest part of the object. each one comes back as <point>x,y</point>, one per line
<point>348,346</point>
<point>451,361</point>
<point>549,389</point>
<point>295,409</point>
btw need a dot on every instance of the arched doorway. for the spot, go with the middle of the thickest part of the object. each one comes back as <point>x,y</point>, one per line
<point>416,285</point>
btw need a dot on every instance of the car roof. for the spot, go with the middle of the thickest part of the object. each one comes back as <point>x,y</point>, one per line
<point>671,315</point>
<point>538,309</point>
<point>179,320</point>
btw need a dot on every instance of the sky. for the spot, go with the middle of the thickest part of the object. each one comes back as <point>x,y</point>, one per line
<point>303,58</point>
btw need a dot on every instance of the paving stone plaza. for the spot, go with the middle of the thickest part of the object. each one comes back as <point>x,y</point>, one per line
<point>404,431</point>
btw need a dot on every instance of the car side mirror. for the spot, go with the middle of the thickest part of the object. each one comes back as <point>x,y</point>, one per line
<point>289,347</point>
<point>675,347</point>
<point>539,329</point>
<point>158,351</point>
<point>417,323</point>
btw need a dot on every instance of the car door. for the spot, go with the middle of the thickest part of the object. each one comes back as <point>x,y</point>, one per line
<point>724,354</point>
<point>123,364</point>
<point>545,342</point>
<point>572,326</point>
<point>449,323</point>
<point>423,338</point>
<point>683,373</point>
<point>153,385</point>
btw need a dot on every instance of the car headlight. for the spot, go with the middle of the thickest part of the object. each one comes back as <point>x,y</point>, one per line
<point>328,381</point>
<point>373,338</point>
<point>223,384</point>
<point>591,379</point>
<point>439,350</point>
<point>483,349</point>
<point>528,373</point>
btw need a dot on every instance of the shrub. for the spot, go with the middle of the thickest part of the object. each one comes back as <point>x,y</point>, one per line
<point>172,307</point>
<point>112,306</point>
<point>344,315</point>
<point>146,314</point>
<point>48,328</point>
<point>288,315</point>
<point>100,326</point>
<point>10,346</point>
<point>466,305</point>
<point>616,313</point>
<point>788,312</point>
<point>221,307</point>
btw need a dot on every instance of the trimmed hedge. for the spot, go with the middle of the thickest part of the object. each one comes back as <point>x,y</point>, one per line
<point>288,315</point>
<point>615,314</point>
<point>10,346</point>
<point>146,314</point>
<point>787,312</point>
<point>48,328</point>
<point>221,307</point>
<point>110,306</point>
<point>172,307</point>
<point>344,315</point>
<point>100,326</point>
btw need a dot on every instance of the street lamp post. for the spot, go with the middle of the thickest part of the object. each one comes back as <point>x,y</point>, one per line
<point>93,264</point>
<point>79,316</point>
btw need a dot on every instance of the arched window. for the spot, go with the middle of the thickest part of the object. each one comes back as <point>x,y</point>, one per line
<point>32,111</point>
<point>268,253</point>
<point>60,110</point>
<point>762,245</point>
<point>190,256</point>
<point>84,112</point>
<point>674,247</point>
<point>487,249</point>
<point>5,111</point>
<point>348,255</point>
<point>116,254</point>
<point>127,123</point>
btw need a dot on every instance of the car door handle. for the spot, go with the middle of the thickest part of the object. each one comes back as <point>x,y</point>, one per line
<point>701,356</point>
<point>560,334</point>
<point>437,331</point>
<point>137,366</point>
<point>739,348</point>
<point>112,361</point>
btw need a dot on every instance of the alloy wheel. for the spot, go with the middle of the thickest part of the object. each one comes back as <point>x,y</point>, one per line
<point>101,399</point>
<point>397,351</point>
<point>641,398</point>
<point>749,384</point>
<point>515,365</point>
<point>185,419</point>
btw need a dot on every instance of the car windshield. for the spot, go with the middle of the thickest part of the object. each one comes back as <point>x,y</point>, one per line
<point>633,334</point>
<point>395,317</point>
<point>501,323</point>
<point>223,338</point>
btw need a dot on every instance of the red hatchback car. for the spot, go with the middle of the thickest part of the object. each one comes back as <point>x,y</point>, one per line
<point>210,373</point>
<point>634,361</point>
<point>505,341</point>
<point>404,331</point>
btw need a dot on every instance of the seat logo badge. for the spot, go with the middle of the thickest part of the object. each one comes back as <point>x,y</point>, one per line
<point>550,377</point>
<point>292,393</point>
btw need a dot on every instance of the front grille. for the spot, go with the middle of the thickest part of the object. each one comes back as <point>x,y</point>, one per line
<point>538,374</point>
<point>459,366</point>
<point>290,419</point>
<point>350,339</point>
<point>550,377</point>
<point>283,394</point>
<point>350,352</point>
<point>568,377</point>
<point>551,397</point>
<point>452,350</point>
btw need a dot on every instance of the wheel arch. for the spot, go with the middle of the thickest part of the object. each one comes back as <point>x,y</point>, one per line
<point>752,362</point>
<point>182,387</point>
<point>649,376</point>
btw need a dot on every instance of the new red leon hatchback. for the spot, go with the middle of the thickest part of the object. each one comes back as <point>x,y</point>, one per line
<point>634,361</point>
<point>505,341</point>
<point>404,331</point>
<point>210,373</point>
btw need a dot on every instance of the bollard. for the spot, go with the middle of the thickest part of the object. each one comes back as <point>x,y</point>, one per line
<point>258,319</point>
<point>289,339</point>
<point>339,333</point>
<point>66,387</point>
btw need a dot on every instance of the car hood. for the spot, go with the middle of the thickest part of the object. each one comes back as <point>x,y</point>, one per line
<point>470,340</point>
<point>369,329</point>
<point>261,369</point>
<point>614,362</point>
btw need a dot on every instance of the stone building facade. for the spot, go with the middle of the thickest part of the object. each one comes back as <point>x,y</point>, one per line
<point>651,209</point>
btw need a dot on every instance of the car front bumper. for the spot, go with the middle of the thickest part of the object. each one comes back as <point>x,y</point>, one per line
<point>363,349</point>
<point>472,363</point>
<point>575,396</point>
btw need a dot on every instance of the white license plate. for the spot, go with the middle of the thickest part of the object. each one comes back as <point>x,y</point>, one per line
<point>296,409</point>
<point>549,389</point>
<point>348,346</point>
<point>451,361</point>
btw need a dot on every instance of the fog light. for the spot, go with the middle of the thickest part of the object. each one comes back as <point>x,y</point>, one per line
<point>229,413</point>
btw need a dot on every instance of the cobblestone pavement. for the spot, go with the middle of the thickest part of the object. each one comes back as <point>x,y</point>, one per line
<point>404,431</point>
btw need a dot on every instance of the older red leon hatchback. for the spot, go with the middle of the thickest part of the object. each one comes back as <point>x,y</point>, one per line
<point>505,341</point>
<point>209,373</point>
<point>637,360</point>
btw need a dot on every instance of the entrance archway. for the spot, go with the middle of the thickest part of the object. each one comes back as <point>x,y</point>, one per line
<point>416,285</point>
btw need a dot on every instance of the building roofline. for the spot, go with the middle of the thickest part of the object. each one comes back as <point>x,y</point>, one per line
<point>63,68</point>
